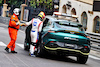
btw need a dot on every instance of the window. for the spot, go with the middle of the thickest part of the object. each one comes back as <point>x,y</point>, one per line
<point>84,19</point>
<point>49,23</point>
<point>45,22</point>
<point>69,26</point>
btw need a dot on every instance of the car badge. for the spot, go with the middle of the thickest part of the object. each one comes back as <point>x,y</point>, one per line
<point>71,38</point>
<point>72,32</point>
<point>67,38</point>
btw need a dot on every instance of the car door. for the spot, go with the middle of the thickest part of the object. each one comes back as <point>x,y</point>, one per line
<point>46,27</point>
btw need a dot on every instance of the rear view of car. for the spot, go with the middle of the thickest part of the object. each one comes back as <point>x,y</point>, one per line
<point>65,37</point>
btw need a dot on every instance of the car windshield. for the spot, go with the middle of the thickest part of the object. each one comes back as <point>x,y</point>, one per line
<point>68,25</point>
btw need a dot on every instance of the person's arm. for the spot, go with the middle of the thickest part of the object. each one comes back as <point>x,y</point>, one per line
<point>26,23</point>
<point>14,21</point>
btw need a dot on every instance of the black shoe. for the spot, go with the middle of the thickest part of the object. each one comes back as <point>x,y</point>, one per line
<point>13,52</point>
<point>7,49</point>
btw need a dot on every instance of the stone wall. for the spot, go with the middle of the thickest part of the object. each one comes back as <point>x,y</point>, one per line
<point>81,7</point>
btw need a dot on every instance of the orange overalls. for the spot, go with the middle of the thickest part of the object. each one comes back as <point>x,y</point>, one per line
<point>13,29</point>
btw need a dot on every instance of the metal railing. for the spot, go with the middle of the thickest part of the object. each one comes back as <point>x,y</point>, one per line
<point>95,40</point>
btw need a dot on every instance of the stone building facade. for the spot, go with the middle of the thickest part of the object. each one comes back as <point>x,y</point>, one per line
<point>84,10</point>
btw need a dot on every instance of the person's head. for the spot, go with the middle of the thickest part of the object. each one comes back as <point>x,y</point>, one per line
<point>41,15</point>
<point>16,11</point>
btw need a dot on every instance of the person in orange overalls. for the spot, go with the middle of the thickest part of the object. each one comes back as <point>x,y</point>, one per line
<point>13,29</point>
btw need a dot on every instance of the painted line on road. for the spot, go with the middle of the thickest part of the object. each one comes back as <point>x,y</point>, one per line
<point>2,28</point>
<point>2,44</point>
<point>94,57</point>
<point>21,61</point>
<point>20,45</point>
<point>10,60</point>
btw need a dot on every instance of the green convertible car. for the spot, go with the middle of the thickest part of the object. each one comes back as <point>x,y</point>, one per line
<point>63,37</point>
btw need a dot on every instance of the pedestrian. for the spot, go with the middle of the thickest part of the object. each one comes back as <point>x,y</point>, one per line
<point>13,29</point>
<point>36,28</point>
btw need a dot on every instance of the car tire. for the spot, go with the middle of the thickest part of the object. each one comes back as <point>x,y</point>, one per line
<point>82,59</point>
<point>25,46</point>
<point>40,51</point>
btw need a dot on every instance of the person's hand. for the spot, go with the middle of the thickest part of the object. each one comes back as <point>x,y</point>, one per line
<point>22,24</point>
<point>18,22</point>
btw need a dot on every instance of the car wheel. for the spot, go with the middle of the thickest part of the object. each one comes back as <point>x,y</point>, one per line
<point>82,59</point>
<point>25,46</point>
<point>40,51</point>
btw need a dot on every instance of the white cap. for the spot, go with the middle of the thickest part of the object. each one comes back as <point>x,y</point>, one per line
<point>16,11</point>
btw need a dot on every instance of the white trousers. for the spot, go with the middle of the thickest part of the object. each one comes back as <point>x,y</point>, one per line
<point>34,37</point>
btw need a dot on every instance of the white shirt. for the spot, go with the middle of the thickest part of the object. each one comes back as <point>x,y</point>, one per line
<point>36,24</point>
